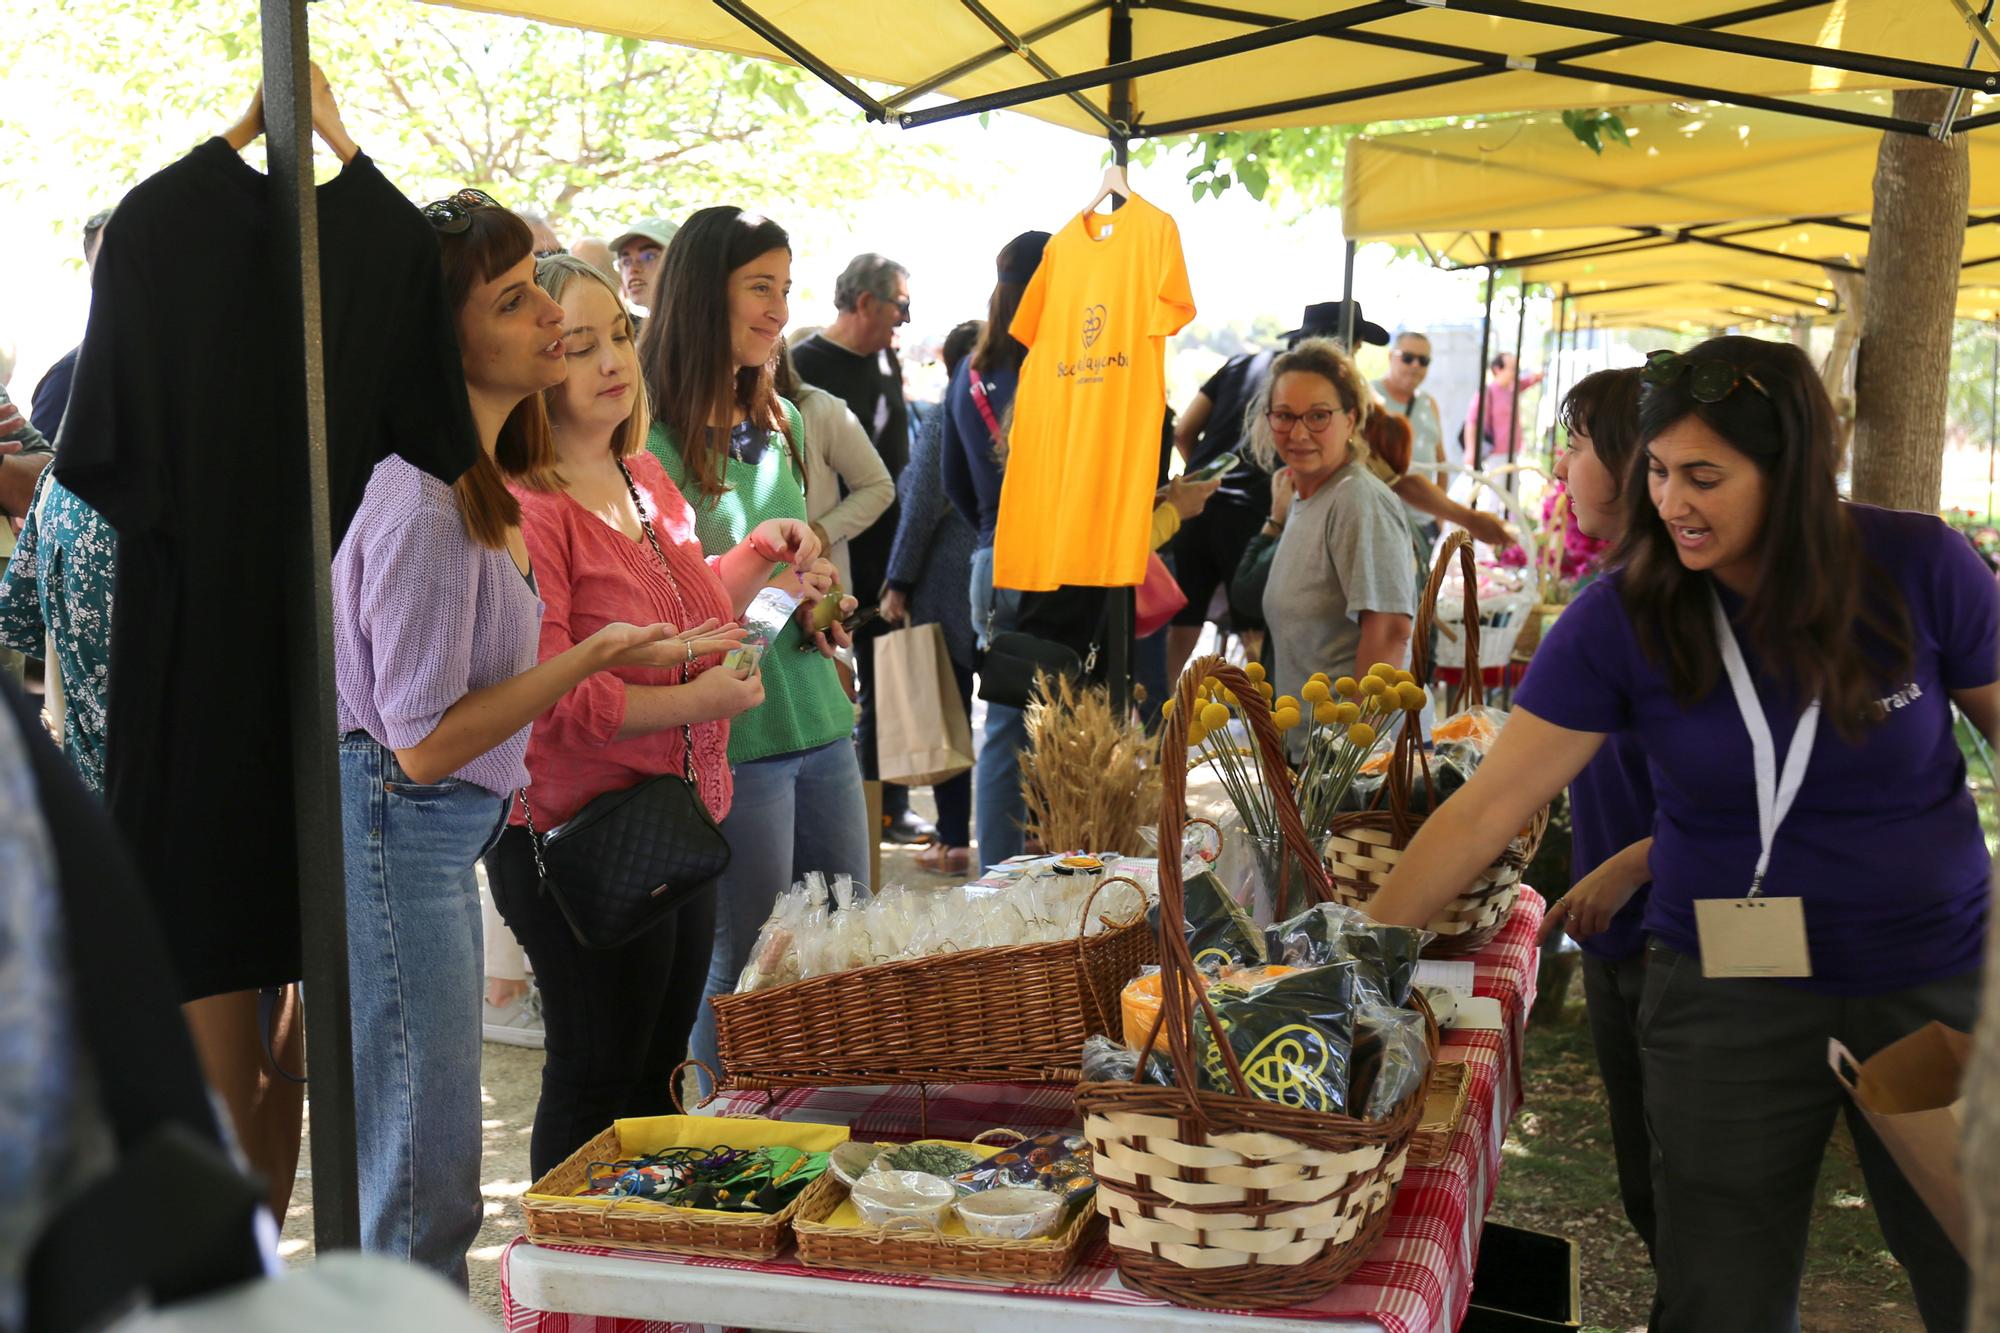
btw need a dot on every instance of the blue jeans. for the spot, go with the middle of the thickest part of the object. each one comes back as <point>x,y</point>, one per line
<point>997,807</point>
<point>414,960</point>
<point>792,813</point>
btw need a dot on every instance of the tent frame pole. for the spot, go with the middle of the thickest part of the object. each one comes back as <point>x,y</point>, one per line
<point>796,52</point>
<point>1478,421</point>
<point>1115,128</point>
<point>985,58</point>
<point>1347,299</point>
<point>1514,398</point>
<point>1119,643</point>
<point>308,558</point>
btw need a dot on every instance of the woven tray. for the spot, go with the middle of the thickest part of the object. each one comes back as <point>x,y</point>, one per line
<point>1444,1105</point>
<point>559,1218</point>
<point>1016,1013</point>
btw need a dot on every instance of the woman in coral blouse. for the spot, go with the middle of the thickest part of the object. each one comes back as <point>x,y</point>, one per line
<point>612,538</point>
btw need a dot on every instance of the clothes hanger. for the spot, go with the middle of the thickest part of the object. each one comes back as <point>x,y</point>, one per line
<point>1114,183</point>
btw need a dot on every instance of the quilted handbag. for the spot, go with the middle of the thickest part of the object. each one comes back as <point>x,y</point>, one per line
<point>629,859</point>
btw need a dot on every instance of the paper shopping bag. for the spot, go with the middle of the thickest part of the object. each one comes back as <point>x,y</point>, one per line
<point>1909,1092</point>
<point>922,735</point>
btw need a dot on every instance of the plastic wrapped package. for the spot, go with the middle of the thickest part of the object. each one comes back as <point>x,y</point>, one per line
<point>1293,1038</point>
<point>1056,1161</point>
<point>1219,933</point>
<point>1391,1057</point>
<point>1386,956</point>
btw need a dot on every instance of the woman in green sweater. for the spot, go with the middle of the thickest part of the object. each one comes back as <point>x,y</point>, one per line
<point>733,446</point>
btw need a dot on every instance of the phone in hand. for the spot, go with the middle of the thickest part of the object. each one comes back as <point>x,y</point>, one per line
<point>1219,466</point>
<point>863,616</point>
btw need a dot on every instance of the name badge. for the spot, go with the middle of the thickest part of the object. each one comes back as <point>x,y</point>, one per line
<point>1752,937</point>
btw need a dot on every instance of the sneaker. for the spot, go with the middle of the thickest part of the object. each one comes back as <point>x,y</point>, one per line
<point>518,1023</point>
<point>908,829</point>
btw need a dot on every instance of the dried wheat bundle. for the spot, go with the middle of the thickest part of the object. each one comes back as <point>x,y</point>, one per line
<point>1091,780</point>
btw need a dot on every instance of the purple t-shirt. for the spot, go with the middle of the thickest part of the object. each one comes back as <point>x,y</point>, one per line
<point>422,616</point>
<point>1610,808</point>
<point>1883,842</point>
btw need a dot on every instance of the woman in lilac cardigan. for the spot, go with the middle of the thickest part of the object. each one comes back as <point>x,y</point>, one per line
<point>436,623</point>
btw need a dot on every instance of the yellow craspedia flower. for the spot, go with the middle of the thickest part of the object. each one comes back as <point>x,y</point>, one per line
<point>1372,685</point>
<point>1321,676</point>
<point>1255,671</point>
<point>1405,678</point>
<point>1411,696</point>
<point>1346,687</point>
<point>1327,713</point>
<point>1197,734</point>
<point>1361,734</point>
<point>1228,695</point>
<point>1264,688</point>
<point>1316,692</point>
<point>1286,718</point>
<point>1167,708</point>
<point>1214,717</point>
<point>1346,713</point>
<point>1285,701</point>
<point>1384,670</point>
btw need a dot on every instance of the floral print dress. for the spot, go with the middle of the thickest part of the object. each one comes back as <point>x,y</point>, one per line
<point>57,588</point>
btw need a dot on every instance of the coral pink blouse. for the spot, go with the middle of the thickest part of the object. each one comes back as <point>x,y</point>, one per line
<point>591,575</point>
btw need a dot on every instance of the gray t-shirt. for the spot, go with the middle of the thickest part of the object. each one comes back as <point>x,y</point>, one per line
<point>1344,551</point>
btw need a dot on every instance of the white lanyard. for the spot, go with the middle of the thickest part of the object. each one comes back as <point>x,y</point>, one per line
<point>1775,794</point>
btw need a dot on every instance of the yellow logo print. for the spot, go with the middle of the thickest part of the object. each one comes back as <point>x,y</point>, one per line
<point>1288,1067</point>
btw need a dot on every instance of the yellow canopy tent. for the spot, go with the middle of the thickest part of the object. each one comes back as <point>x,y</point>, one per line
<point>1196,66</point>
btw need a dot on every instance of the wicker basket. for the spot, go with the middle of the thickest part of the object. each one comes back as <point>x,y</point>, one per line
<point>835,1243</point>
<point>1363,848</point>
<point>1230,1201</point>
<point>556,1216</point>
<point>1015,1013</point>
<point>1444,1105</point>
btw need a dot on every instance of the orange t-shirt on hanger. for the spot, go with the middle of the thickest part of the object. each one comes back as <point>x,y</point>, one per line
<point>1076,504</point>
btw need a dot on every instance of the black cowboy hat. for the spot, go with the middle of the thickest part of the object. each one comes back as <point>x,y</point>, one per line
<point>1323,320</point>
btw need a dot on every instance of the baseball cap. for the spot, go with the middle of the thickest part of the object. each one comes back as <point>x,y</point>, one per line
<point>657,230</point>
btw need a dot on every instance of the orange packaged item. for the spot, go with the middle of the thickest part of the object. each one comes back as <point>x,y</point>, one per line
<point>1140,1001</point>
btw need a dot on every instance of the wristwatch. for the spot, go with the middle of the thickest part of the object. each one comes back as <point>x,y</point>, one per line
<point>1274,527</point>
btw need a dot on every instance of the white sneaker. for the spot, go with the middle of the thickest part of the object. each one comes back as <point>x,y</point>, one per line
<point>518,1023</point>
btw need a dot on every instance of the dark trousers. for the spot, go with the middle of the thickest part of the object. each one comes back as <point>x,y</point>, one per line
<point>1613,992</point>
<point>1740,1102</point>
<point>895,796</point>
<point>616,1020</point>
<point>954,797</point>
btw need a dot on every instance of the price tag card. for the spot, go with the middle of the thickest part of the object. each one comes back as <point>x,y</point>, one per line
<point>1752,937</point>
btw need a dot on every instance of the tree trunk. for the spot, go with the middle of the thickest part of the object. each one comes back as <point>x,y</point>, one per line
<point>1921,189</point>
<point>1980,1164</point>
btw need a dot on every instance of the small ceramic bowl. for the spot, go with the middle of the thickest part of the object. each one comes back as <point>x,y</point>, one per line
<point>1011,1213</point>
<point>851,1160</point>
<point>902,1199</point>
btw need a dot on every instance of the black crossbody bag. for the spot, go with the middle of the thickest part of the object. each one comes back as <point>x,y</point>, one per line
<point>629,859</point>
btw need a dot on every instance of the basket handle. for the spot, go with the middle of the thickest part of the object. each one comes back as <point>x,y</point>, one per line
<point>980,1138</point>
<point>1083,925</point>
<point>674,1084</point>
<point>1178,976</point>
<point>1473,687</point>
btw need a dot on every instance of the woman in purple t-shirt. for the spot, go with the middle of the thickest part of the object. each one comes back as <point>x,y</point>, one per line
<point>436,622</point>
<point>1874,621</point>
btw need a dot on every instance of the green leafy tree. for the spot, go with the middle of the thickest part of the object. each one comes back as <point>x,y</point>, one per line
<point>587,127</point>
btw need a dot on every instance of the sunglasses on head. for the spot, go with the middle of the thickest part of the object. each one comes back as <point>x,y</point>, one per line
<point>1708,381</point>
<point>453,214</point>
<point>1414,358</point>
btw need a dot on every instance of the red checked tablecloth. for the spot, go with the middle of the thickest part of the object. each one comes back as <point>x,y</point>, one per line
<point>1418,1279</point>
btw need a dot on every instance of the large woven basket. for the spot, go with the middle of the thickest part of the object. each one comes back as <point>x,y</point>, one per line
<point>1015,1013</point>
<point>1228,1201</point>
<point>1363,848</point>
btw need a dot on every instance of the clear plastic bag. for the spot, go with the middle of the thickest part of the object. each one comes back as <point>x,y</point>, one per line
<point>1385,956</point>
<point>1293,1038</point>
<point>1391,1057</point>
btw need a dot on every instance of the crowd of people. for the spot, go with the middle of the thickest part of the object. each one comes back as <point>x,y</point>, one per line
<point>567,619</point>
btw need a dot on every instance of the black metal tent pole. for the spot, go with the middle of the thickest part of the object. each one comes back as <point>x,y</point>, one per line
<point>1347,299</point>
<point>1478,422</point>
<point>1119,645</point>
<point>991,54</point>
<point>1552,377</point>
<point>1514,399</point>
<point>796,52</point>
<point>308,561</point>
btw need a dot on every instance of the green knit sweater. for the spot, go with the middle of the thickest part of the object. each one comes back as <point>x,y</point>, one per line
<point>804,705</point>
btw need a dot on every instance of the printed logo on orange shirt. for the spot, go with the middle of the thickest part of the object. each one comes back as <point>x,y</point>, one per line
<point>1093,324</point>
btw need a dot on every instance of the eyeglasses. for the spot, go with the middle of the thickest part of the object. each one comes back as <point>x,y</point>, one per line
<point>902,304</point>
<point>644,257</point>
<point>1708,381</point>
<point>550,254</point>
<point>453,214</point>
<point>1414,358</point>
<point>1316,420</point>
